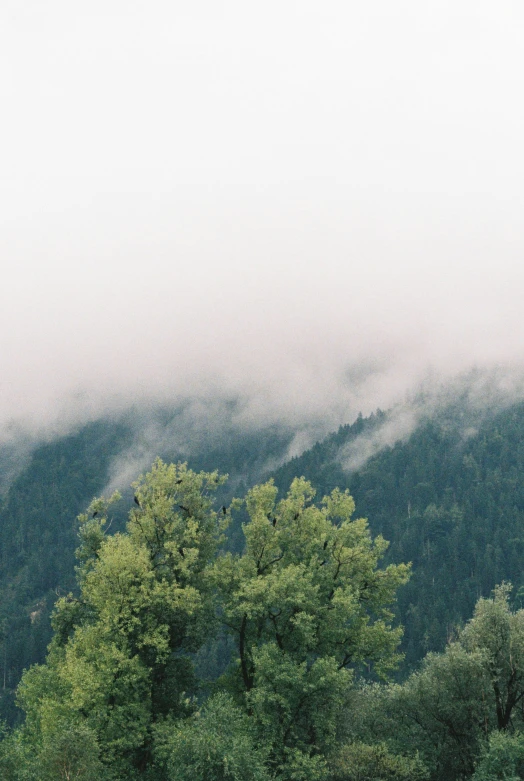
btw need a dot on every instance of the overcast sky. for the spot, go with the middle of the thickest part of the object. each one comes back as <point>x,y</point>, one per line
<point>313,204</point>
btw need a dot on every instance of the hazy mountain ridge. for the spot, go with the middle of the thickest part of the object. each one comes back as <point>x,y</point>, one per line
<point>38,529</point>
<point>449,497</point>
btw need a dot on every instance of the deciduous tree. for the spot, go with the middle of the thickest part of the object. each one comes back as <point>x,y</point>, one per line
<point>121,656</point>
<point>307,604</point>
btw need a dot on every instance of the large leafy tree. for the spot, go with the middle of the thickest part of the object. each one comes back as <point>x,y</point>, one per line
<point>306,604</point>
<point>497,632</point>
<point>459,701</point>
<point>443,710</point>
<point>121,656</point>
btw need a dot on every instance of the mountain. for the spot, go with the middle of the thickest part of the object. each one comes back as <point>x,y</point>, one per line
<point>38,527</point>
<point>449,497</point>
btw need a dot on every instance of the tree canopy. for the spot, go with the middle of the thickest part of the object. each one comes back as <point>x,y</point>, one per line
<point>306,605</point>
<point>177,658</point>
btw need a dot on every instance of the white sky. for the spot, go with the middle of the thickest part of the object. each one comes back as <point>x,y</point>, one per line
<point>311,203</point>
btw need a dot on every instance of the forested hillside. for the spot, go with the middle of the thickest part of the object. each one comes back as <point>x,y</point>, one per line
<point>38,536</point>
<point>450,499</point>
<point>39,528</point>
<point>304,696</point>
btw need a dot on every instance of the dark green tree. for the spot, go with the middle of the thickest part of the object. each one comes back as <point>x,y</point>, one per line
<point>450,709</point>
<point>497,633</point>
<point>503,759</point>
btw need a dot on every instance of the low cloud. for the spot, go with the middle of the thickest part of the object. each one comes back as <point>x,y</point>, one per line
<point>397,427</point>
<point>250,213</point>
<point>462,401</point>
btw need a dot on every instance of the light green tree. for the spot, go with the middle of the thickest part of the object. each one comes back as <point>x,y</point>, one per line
<point>306,604</point>
<point>120,659</point>
<point>216,744</point>
<point>362,762</point>
<point>69,752</point>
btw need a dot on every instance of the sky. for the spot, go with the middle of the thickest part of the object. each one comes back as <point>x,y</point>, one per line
<point>313,206</point>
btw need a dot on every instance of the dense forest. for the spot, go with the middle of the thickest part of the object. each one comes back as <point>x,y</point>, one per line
<point>201,636</point>
<point>450,499</point>
<point>39,531</point>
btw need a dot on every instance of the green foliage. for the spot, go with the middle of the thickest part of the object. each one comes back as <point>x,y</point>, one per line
<point>449,708</point>
<point>306,604</point>
<point>503,760</point>
<point>120,659</point>
<point>361,762</point>
<point>216,744</point>
<point>66,749</point>
<point>497,633</point>
<point>443,711</point>
<point>450,499</point>
<point>15,756</point>
<point>38,538</point>
<point>55,483</point>
<point>69,751</point>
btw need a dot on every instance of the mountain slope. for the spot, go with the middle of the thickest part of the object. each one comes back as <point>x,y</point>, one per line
<point>450,499</point>
<point>38,526</point>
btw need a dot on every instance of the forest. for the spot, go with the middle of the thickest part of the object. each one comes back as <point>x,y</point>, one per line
<point>278,635</point>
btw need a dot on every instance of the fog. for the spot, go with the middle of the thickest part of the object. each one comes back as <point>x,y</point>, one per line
<point>308,208</point>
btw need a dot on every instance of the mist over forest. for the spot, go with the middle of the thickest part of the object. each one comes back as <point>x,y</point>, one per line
<point>313,216</point>
<point>283,243</point>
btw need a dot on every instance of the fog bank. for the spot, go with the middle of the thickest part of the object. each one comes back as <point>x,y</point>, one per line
<point>310,209</point>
